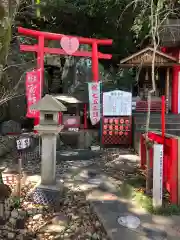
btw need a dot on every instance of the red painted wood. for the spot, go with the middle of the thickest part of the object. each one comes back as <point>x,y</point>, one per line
<point>174,96</point>
<point>163,119</point>
<point>170,162</point>
<point>95,65</point>
<point>174,171</point>
<point>34,48</point>
<point>40,49</point>
<point>56,36</point>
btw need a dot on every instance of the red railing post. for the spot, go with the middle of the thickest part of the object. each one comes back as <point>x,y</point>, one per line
<point>174,171</point>
<point>163,120</point>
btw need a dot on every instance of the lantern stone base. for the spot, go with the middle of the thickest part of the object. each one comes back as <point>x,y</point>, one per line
<point>48,194</point>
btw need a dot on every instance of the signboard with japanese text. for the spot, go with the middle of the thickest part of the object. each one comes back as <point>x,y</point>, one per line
<point>94,102</point>
<point>117,103</point>
<point>23,143</point>
<point>157,175</point>
<point>33,92</point>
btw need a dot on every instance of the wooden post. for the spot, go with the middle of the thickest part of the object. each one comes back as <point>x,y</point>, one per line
<point>19,178</point>
<point>167,90</point>
<point>163,119</point>
<point>178,171</point>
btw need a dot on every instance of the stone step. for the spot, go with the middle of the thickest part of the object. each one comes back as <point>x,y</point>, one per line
<point>157,116</point>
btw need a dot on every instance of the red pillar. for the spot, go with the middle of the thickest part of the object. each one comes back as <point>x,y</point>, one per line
<point>174,171</point>
<point>40,67</point>
<point>175,86</point>
<point>95,67</point>
<point>163,109</point>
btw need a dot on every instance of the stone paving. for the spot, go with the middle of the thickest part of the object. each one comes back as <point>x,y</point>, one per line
<point>109,204</point>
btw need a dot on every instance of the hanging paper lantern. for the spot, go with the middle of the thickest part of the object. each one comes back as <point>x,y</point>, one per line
<point>126,127</point>
<point>127,121</point>
<point>110,133</point>
<point>120,133</point>
<point>126,133</point>
<point>121,120</point>
<point>121,128</point>
<point>104,132</point>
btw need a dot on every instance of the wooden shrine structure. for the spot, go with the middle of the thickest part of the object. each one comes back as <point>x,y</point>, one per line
<point>165,79</point>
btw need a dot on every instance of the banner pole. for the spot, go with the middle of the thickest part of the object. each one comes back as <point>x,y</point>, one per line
<point>101,114</point>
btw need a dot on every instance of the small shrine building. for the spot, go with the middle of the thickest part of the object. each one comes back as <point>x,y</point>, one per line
<point>167,78</point>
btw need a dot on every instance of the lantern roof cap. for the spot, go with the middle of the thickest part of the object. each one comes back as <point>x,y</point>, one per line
<point>50,104</point>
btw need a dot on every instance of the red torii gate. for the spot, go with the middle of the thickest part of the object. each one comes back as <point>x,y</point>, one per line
<point>40,49</point>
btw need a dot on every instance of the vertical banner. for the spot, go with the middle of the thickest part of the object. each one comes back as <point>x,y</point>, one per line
<point>157,175</point>
<point>94,102</point>
<point>33,92</point>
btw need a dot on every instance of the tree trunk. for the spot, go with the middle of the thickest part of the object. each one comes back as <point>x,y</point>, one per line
<point>8,10</point>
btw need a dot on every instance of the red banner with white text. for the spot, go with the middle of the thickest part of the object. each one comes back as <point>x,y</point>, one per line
<point>33,92</point>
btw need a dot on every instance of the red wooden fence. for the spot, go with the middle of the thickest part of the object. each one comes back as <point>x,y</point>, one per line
<point>170,162</point>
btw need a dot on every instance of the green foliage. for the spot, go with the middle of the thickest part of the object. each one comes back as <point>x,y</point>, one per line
<point>133,188</point>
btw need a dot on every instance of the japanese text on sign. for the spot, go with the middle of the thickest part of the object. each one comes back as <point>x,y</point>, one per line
<point>23,143</point>
<point>157,175</point>
<point>33,92</point>
<point>94,102</point>
<point>117,103</point>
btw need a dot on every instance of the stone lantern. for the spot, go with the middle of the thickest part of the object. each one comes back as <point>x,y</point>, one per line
<point>48,129</point>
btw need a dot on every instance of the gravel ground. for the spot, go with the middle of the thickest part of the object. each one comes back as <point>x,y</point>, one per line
<point>73,220</point>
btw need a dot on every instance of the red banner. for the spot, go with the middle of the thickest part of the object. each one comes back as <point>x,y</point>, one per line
<point>33,92</point>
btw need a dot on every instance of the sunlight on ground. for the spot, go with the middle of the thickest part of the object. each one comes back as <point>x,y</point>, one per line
<point>67,154</point>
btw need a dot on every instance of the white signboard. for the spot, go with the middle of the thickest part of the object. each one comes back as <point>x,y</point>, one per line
<point>23,143</point>
<point>157,175</point>
<point>117,103</point>
<point>94,102</point>
<point>73,129</point>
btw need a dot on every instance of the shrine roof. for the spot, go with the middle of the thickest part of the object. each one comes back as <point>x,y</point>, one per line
<point>50,104</point>
<point>67,98</point>
<point>145,57</point>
